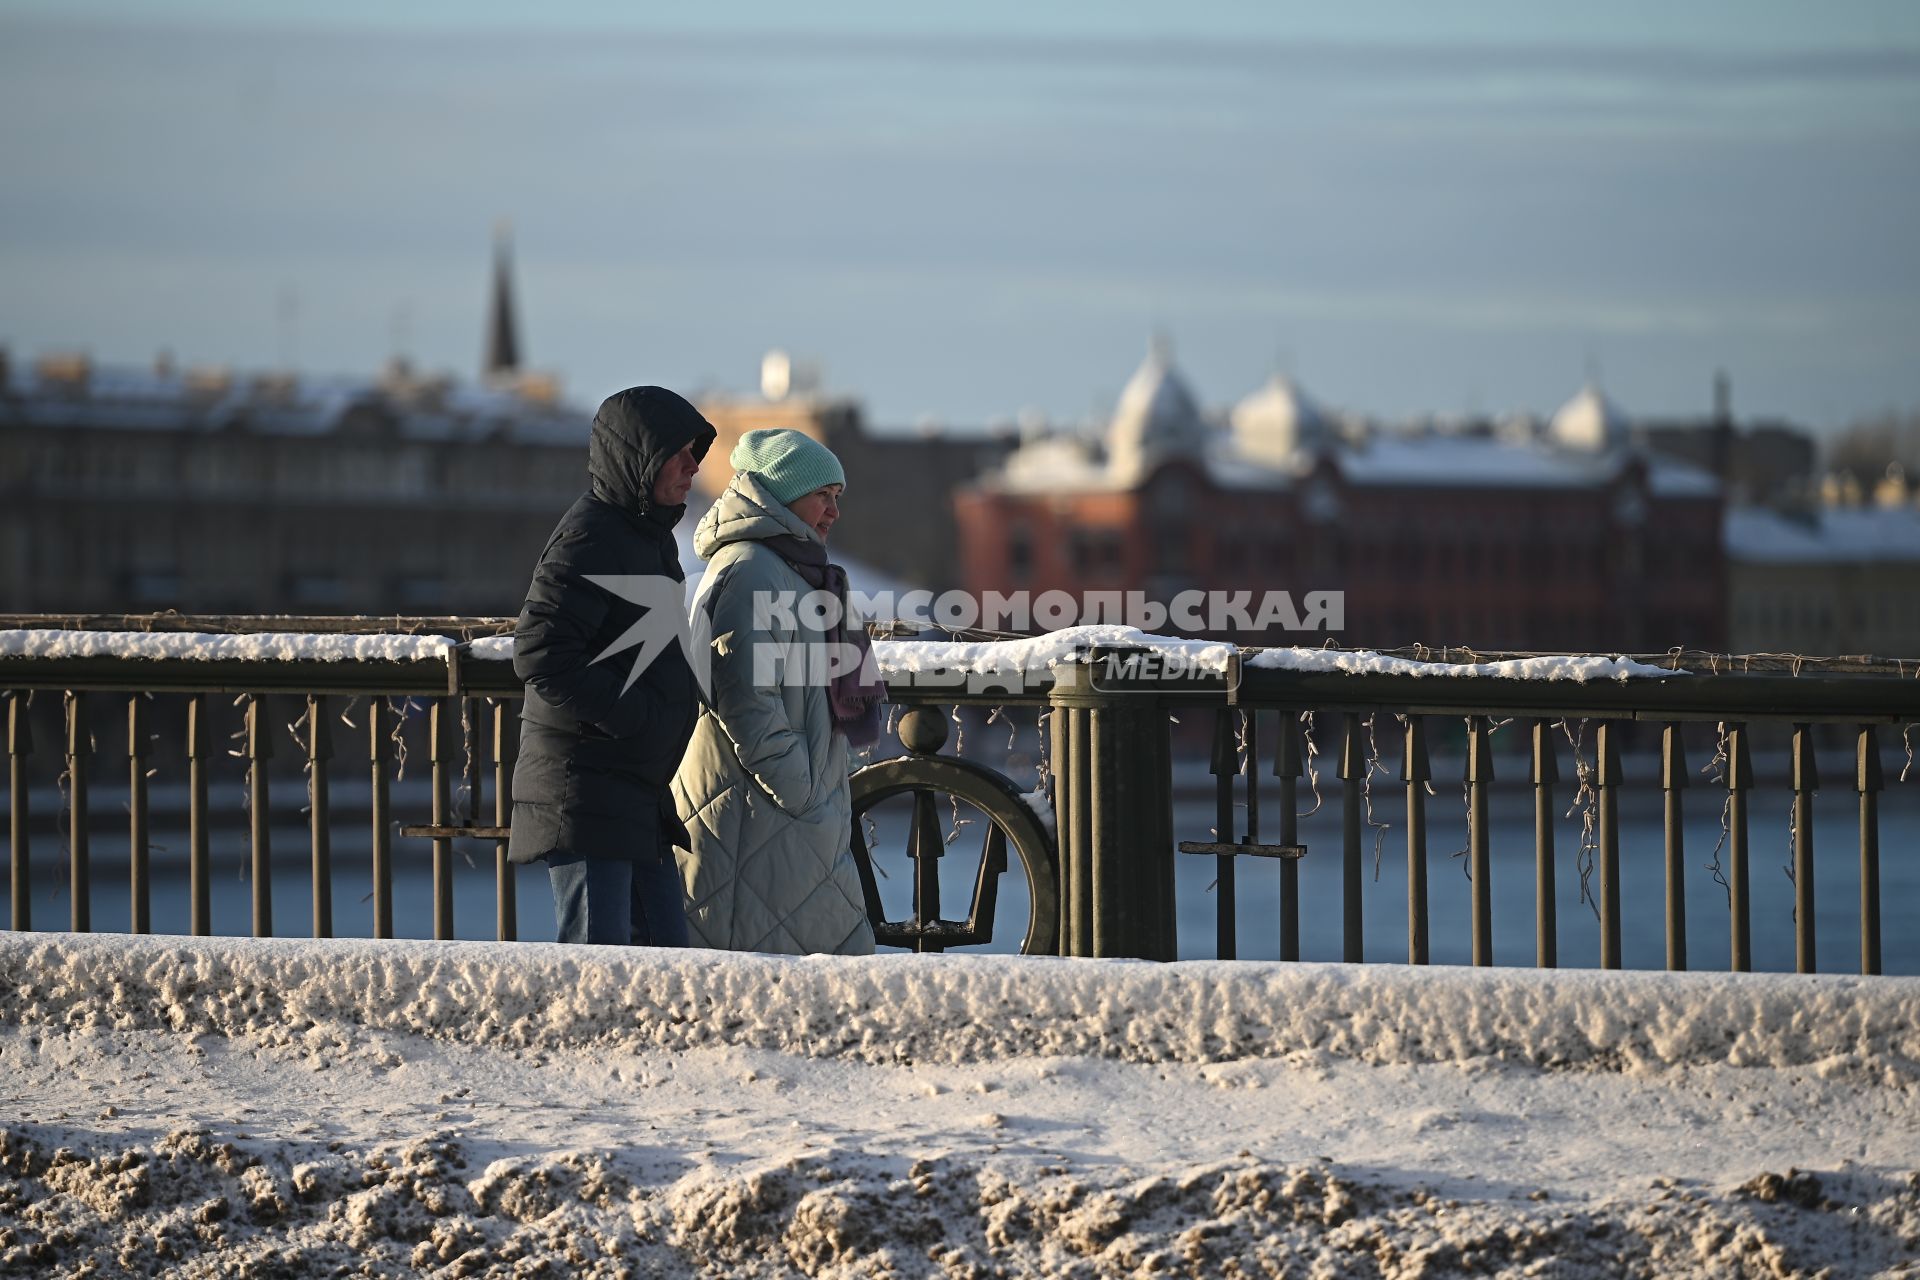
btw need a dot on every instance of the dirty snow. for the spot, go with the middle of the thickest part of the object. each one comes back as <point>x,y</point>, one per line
<point>233,1107</point>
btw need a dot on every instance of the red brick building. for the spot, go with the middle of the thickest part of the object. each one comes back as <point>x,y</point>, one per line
<point>1554,538</point>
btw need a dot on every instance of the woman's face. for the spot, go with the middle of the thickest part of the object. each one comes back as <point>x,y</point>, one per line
<point>818,509</point>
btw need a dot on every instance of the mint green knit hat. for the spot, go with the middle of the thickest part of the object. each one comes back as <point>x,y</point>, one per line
<point>790,463</point>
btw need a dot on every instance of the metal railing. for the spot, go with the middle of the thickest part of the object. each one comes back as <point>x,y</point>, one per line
<point>457,699</point>
<point>1109,776</point>
<point>1112,751</point>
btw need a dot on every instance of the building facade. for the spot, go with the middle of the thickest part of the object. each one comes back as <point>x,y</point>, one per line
<point>136,490</point>
<point>898,516</point>
<point>1838,580</point>
<point>1567,538</point>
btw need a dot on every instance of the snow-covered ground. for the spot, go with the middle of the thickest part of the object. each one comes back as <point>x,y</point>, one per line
<point>239,1107</point>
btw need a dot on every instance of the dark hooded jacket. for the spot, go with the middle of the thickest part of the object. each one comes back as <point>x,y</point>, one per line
<point>596,755</point>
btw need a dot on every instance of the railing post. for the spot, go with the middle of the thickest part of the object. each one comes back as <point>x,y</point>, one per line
<point>1806,781</point>
<point>319,751</point>
<point>925,849</point>
<point>1545,772</point>
<point>1416,770</point>
<point>378,729</point>
<point>1080,820</point>
<point>470,744</point>
<point>1739,900</point>
<point>1673,780</point>
<point>1066,793</point>
<point>1353,772</point>
<point>507,915</point>
<point>19,747</point>
<point>1159,879</point>
<point>1479,836</point>
<point>140,895</point>
<point>1107,879</point>
<point>79,751</point>
<point>439,730</point>
<point>199,859</point>
<point>259,811</point>
<point>1117,805</point>
<point>1607,784</point>
<point>1252,767</point>
<point>923,731</point>
<point>1869,781</point>
<point>1288,766</point>
<point>1224,765</point>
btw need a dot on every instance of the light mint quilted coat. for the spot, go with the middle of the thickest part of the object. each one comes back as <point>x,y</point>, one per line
<point>763,787</point>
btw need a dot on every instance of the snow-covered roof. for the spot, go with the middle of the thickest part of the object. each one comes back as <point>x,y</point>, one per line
<point>1589,421</point>
<point>139,399</point>
<point>1052,464</point>
<point>1832,535</point>
<point>1493,463</point>
<point>1468,461</point>
<point>1157,417</point>
<point>1276,421</point>
<point>1063,465</point>
<point>1229,468</point>
<point>1671,478</point>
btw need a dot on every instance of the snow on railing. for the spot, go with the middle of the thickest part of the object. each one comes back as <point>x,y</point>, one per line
<point>1106,761</point>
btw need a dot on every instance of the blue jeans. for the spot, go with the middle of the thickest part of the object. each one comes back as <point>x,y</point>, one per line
<point>617,901</point>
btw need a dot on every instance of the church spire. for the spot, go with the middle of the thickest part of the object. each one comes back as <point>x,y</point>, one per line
<point>503,340</point>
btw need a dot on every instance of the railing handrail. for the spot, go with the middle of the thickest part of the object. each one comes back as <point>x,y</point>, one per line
<point>456,626</point>
<point>476,626</point>
<point>1107,755</point>
<point>1705,686</point>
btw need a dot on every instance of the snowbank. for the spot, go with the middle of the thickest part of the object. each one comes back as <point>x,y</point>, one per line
<point>232,1107</point>
<point>963,1009</point>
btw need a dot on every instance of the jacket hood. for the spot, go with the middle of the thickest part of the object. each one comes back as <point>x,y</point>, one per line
<point>634,434</point>
<point>746,511</point>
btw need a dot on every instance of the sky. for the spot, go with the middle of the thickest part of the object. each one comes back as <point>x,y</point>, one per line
<point>963,215</point>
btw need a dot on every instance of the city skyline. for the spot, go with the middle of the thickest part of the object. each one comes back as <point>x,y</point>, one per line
<point>967,219</point>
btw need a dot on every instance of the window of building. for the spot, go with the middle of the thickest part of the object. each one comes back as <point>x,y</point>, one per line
<point>1019,552</point>
<point>1080,552</point>
<point>1170,549</point>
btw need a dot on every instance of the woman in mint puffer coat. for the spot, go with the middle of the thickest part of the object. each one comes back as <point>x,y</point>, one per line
<point>763,788</point>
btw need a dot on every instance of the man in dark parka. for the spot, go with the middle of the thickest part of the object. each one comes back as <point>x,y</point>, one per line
<point>590,790</point>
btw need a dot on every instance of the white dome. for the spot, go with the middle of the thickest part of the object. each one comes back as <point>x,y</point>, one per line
<point>1278,420</point>
<point>1589,421</point>
<point>1157,417</point>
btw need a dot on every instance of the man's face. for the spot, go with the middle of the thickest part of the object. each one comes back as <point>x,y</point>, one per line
<point>670,487</point>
